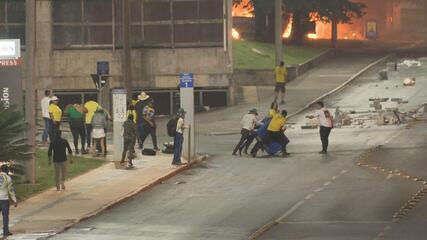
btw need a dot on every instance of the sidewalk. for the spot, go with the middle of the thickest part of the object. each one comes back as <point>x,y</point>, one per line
<point>51,211</point>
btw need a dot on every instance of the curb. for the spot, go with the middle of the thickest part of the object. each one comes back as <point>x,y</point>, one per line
<point>141,189</point>
<point>340,87</point>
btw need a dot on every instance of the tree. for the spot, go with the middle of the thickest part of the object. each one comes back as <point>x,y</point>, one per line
<point>300,11</point>
<point>14,149</point>
<point>338,11</point>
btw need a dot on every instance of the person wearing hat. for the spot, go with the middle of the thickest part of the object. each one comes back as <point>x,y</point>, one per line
<point>179,138</point>
<point>55,114</point>
<point>143,101</point>
<point>248,122</point>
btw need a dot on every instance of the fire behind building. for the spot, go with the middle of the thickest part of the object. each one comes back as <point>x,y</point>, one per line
<point>167,37</point>
<point>385,20</point>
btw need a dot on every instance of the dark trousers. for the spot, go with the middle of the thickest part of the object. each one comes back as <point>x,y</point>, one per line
<point>177,148</point>
<point>324,137</point>
<point>128,146</point>
<point>53,128</point>
<point>78,129</point>
<point>245,135</point>
<point>46,130</point>
<point>88,134</point>
<point>144,131</point>
<point>4,207</point>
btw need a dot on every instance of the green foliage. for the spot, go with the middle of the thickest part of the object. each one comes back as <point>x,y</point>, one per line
<point>244,56</point>
<point>14,148</point>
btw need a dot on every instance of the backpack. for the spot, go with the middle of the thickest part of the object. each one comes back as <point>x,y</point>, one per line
<point>148,152</point>
<point>171,126</point>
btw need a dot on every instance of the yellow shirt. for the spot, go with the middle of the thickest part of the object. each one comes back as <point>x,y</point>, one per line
<point>91,107</point>
<point>281,74</point>
<point>277,123</point>
<point>56,112</point>
<point>133,112</point>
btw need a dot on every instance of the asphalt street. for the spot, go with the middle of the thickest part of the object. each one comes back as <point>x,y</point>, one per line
<point>306,196</point>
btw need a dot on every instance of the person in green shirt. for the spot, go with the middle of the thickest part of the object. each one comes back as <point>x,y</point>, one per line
<point>76,118</point>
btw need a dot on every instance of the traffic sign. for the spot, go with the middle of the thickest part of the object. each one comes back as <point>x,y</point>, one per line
<point>102,68</point>
<point>186,80</point>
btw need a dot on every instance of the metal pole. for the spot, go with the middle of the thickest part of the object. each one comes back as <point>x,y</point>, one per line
<point>278,29</point>
<point>189,145</point>
<point>127,61</point>
<point>30,42</point>
<point>100,90</point>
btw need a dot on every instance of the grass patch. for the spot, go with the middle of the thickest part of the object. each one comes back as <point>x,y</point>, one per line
<point>246,58</point>
<point>46,177</point>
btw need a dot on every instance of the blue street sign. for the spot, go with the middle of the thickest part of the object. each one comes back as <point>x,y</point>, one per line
<point>186,80</point>
<point>102,68</point>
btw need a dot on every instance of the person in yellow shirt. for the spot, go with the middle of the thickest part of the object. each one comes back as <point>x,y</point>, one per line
<point>91,107</point>
<point>281,73</point>
<point>276,131</point>
<point>55,114</point>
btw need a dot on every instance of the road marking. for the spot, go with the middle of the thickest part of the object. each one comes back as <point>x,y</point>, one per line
<point>295,207</point>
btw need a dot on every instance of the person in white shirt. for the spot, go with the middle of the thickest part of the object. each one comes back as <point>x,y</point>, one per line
<point>248,122</point>
<point>179,138</point>
<point>7,193</point>
<point>326,124</point>
<point>45,114</point>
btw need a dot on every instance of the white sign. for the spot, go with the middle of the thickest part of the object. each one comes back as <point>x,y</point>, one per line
<point>10,49</point>
<point>119,106</point>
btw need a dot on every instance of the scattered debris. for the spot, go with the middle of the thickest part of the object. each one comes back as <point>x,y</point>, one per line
<point>410,63</point>
<point>383,75</point>
<point>179,182</point>
<point>409,81</point>
<point>259,52</point>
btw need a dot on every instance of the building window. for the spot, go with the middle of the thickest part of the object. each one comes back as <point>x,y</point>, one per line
<point>12,19</point>
<point>172,23</point>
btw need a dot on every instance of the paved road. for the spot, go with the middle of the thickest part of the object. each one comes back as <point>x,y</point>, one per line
<point>309,196</point>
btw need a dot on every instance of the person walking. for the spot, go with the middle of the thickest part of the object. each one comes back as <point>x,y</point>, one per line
<point>45,114</point>
<point>326,123</point>
<point>99,124</point>
<point>76,119</point>
<point>281,73</point>
<point>7,193</point>
<point>248,122</point>
<point>58,148</point>
<point>179,138</point>
<point>129,139</point>
<point>91,107</point>
<point>55,114</point>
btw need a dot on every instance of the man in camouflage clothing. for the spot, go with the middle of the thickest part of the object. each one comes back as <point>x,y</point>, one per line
<point>129,139</point>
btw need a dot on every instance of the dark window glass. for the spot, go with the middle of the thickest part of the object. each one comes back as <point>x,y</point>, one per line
<point>212,32</point>
<point>187,33</point>
<point>66,99</point>
<point>215,99</point>
<point>211,9</point>
<point>3,33</point>
<point>156,11</point>
<point>135,11</point>
<point>66,11</point>
<point>185,10</point>
<point>17,32</point>
<point>157,34</point>
<point>90,96</point>
<point>16,11</point>
<point>67,35</point>
<point>97,11</point>
<point>2,12</point>
<point>161,102</point>
<point>98,35</point>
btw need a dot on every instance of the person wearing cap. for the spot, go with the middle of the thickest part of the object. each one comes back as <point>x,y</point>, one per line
<point>179,138</point>
<point>7,193</point>
<point>99,124</point>
<point>248,122</point>
<point>91,107</point>
<point>143,101</point>
<point>55,114</point>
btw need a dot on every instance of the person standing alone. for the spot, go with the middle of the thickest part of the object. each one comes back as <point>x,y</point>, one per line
<point>326,123</point>
<point>58,147</point>
<point>281,73</point>
<point>129,139</point>
<point>179,138</point>
<point>7,193</point>
<point>45,114</point>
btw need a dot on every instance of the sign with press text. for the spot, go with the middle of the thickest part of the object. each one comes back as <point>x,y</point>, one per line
<point>10,73</point>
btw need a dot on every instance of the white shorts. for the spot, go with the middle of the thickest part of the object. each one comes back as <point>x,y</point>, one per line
<point>98,133</point>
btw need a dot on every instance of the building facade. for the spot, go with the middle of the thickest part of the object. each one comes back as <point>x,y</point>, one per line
<point>167,37</point>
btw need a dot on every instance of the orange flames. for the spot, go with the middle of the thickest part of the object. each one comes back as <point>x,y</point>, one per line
<point>244,9</point>
<point>235,34</point>
<point>288,29</point>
